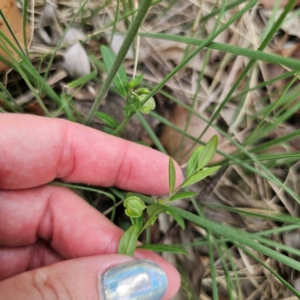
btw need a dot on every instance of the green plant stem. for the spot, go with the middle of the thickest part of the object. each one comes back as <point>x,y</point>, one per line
<point>151,133</point>
<point>235,235</point>
<point>61,41</point>
<point>181,186</point>
<point>125,13</point>
<point>7,98</point>
<point>291,63</point>
<point>266,266</point>
<point>115,22</point>
<point>216,12</point>
<point>250,138</point>
<point>142,11</point>
<point>24,26</point>
<point>264,43</point>
<point>266,174</point>
<point>15,39</point>
<point>201,75</point>
<point>240,157</point>
<point>91,189</point>
<point>202,45</point>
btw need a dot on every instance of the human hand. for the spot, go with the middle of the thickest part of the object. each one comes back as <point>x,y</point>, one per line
<point>53,244</point>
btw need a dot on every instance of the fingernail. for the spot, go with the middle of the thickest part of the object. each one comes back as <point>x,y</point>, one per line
<point>136,280</point>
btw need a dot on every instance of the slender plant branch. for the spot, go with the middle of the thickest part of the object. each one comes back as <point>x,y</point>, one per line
<point>204,44</point>
<point>143,9</point>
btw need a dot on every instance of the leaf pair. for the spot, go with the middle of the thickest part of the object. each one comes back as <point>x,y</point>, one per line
<point>196,171</point>
<point>155,209</point>
<point>120,80</point>
<point>200,175</point>
<point>126,89</point>
<point>202,156</point>
<point>134,208</point>
<point>121,76</point>
<point>107,119</point>
<point>195,168</point>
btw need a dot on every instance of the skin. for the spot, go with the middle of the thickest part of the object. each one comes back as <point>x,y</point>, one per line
<point>52,243</point>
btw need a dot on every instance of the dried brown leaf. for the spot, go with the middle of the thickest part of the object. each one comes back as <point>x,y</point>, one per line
<point>171,139</point>
<point>269,4</point>
<point>14,18</point>
<point>35,109</point>
<point>230,195</point>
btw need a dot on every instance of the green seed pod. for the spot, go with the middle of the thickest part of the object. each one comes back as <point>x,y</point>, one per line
<point>148,106</point>
<point>134,206</point>
<point>133,213</point>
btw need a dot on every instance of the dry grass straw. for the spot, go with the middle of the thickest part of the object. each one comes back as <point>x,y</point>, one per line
<point>236,187</point>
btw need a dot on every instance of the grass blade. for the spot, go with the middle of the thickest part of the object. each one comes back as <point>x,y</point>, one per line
<point>142,11</point>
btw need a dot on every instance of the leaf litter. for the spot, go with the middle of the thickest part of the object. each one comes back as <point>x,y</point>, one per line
<point>233,187</point>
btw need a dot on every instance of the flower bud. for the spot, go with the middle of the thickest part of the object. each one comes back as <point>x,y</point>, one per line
<point>134,206</point>
<point>148,106</point>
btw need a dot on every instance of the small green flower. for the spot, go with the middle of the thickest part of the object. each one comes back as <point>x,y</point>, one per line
<point>134,206</point>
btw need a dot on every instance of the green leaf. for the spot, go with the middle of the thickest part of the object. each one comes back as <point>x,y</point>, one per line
<point>134,107</point>
<point>136,81</point>
<point>155,2</point>
<point>108,130</point>
<point>66,101</point>
<point>128,242</point>
<point>208,152</point>
<point>83,80</point>
<point>164,248</point>
<point>155,209</point>
<point>129,194</point>
<point>143,91</point>
<point>121,76</point>
<point>143,144</point>
<point>107,119</point>
<point>200,175</point>
<point>193,161</point>
<point>183,195</point>
<point>138,222</point>
<point>291,63</point>
<point>172,175</point>
<point>150,222</point>
<point>175,216</point>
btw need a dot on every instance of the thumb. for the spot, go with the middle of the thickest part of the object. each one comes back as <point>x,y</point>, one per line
<point>105,277</point>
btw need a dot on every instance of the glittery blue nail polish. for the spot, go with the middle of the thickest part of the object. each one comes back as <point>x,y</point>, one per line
<point>136,280</point>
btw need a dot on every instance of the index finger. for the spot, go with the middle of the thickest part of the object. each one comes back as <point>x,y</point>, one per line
<point>36,150</point>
